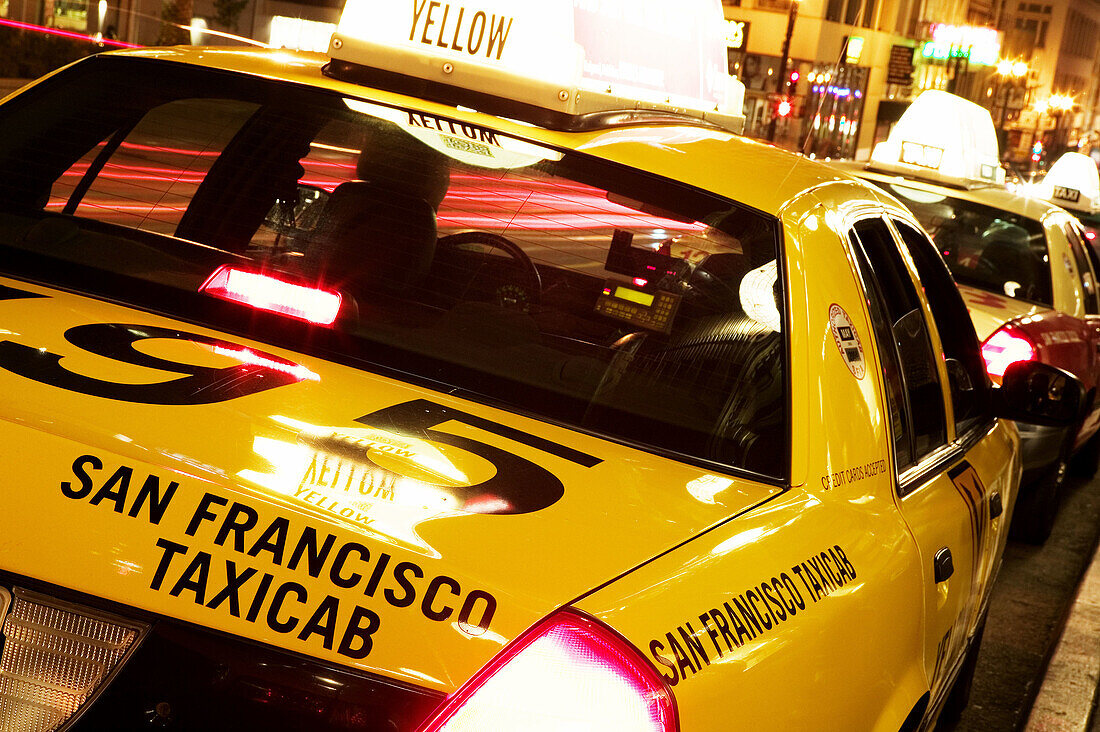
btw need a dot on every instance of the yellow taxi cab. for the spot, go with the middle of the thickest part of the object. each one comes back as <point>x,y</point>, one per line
<point>460,380</point>
<point>1023,267</point>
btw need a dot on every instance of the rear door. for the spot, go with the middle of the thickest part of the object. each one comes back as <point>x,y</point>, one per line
<point>941,492</point>
<point>968,389</point>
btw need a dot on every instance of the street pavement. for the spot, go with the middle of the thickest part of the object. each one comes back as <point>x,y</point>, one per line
<point>1041,592</point>
<point>1067,695</point>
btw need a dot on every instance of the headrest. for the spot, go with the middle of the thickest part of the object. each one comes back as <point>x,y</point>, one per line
<point>401,164</point>
<point>1002,232</point>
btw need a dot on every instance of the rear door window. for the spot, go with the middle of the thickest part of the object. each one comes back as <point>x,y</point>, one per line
<point>1085,274</point>
<point>903,335</point>
<point>965,369</point>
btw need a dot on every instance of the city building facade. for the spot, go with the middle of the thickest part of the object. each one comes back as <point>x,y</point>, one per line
<point>826,77</point>
<point>830,77</point>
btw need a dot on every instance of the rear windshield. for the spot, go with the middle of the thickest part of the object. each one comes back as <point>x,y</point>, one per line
<point>545,281</point>
<point>988,248</point>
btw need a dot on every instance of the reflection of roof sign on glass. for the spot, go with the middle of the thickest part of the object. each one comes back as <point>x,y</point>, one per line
<point>757,293</point>
<point>466,143</point>
<point>557,60</point>
<point>1073,183</point>
<point>944,138</point>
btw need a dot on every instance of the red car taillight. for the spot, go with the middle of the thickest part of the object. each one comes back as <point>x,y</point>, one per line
<point>569,672</point>
<point>275,295</point>
<point>1004,348</point>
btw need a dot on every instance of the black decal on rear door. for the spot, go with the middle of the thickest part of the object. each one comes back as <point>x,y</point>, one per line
<point>257,371</point>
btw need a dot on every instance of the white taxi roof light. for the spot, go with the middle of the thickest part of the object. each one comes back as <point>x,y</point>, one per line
<point>567,673</point>
<point>569,58</point>
<point>945,138</point>
<point>273,294</point>
<point>1073,182</point>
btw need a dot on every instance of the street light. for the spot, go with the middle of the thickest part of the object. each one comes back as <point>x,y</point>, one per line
<point>1060,103</point>
<point>1006,68</point>
<point>1056,105</point>
<point>1009,72</point>
<point>780,84</point>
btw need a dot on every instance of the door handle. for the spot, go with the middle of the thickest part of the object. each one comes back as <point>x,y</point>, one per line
<point>996,506</point>
<point>942,566</point>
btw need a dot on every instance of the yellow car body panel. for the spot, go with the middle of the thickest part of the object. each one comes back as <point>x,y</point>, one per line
<point>264,459</point>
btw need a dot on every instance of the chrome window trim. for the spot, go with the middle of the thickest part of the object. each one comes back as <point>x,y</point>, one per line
<point>936,462</point>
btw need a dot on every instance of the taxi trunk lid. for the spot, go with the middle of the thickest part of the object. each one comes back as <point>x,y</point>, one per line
<point>990,311</point>
<point>311,506</point>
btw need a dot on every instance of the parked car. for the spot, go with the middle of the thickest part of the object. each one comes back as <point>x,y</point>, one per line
<point>1022,265</point>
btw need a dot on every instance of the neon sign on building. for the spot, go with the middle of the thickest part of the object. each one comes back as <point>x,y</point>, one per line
<point>981,46</point>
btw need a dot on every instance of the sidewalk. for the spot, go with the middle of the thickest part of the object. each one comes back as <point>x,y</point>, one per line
<point>1069,689</point>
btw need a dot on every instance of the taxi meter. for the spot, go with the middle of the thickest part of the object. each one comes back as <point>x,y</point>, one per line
<point>547,63</point>
<point>640,303</point>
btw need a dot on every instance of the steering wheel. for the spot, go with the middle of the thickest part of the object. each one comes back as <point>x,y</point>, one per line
<point>530,282</point>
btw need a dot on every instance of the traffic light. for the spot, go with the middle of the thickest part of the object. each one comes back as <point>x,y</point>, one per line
<point>1037,151</point>
<point>784,108</point>
<point>794,77</point>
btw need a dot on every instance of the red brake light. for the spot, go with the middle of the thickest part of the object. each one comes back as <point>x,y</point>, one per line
<point>1004,348</point>
<point>266,292</point>
<point>569,672</point>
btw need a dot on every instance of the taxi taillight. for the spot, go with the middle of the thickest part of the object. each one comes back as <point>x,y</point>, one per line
<point>264,291</point>
<point>569,672</point>
<point>1004,348</point>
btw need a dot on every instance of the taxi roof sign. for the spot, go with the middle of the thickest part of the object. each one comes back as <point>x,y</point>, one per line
<point>554,61</point>
<point>1072,183</point>
<point>944,138</point>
